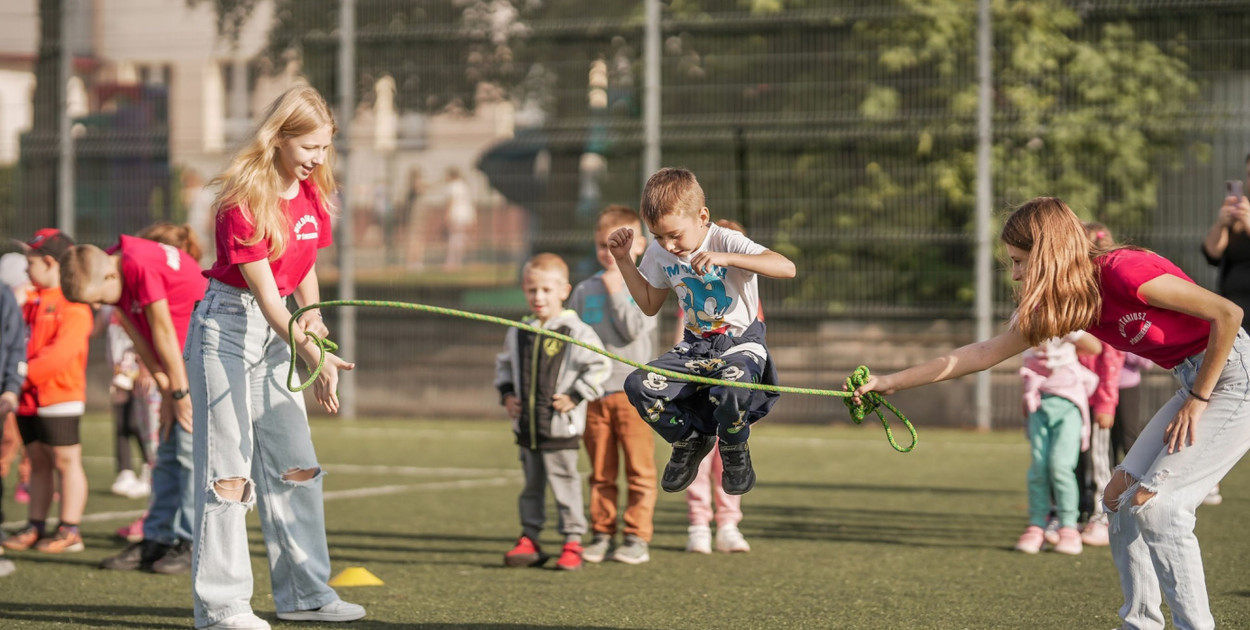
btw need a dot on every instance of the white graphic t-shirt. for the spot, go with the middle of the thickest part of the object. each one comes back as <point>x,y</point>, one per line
<point>725,300</point>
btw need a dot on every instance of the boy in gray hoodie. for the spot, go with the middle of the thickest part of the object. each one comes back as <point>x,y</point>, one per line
<point>546,384</point>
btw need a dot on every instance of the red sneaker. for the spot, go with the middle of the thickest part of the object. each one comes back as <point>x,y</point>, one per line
<point>22,540</point>
<point>133,532</point>
<point>526,553</point>
<point>64,541</point>
<point>570,557</point>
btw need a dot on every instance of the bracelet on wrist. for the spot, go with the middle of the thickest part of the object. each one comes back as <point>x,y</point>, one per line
<point>1205,400</point>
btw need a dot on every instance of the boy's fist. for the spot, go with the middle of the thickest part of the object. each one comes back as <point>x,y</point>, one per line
<point>621,242</point>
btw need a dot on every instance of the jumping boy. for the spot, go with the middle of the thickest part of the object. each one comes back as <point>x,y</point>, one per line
<point>545,384</point>
<point>53,398</point>
<point>155,287</point>
<point>612,423</point>
<point>713,270</point>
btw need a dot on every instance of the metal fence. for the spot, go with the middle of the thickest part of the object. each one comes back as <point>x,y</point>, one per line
<point>840,133</point>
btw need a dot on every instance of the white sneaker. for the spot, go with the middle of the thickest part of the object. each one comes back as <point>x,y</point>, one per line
<point>1213,497</point>
<point>6,567</point>
<point>122,485</point>
<point>700,540</point>
<point>241,621</point>
<point>337,610</point>
<point>1095,534</point>
<point>730,540</point>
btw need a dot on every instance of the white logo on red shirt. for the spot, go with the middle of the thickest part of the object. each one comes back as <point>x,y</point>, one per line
<point>171,256</point>
<point>299,225</point>
<point>1129,320</point>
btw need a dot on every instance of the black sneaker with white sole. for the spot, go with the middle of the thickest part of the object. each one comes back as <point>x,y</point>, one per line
<point>176,560</point>
<point>738,477</point>
<point>683,465</point>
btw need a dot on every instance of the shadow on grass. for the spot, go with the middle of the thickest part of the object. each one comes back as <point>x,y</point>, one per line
<point>107,616</point>
<point>102,615</point>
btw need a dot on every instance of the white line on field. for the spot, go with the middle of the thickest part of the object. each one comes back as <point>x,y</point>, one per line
<point>333,495</point>
<point>377,469</point>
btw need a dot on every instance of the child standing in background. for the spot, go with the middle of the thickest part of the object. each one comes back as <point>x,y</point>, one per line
<point>1094,469</point>
<point>611,422</point>
<point>12,354</point>
<point>545,385</point>
<point>1056,401</point>
<point>14,278</point>
<point>53,399</point>
<point>707,488</point>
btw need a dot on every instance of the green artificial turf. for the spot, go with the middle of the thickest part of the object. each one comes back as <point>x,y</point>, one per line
<point>845,533</point>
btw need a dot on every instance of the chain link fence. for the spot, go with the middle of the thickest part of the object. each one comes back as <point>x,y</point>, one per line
<point>838,133</point>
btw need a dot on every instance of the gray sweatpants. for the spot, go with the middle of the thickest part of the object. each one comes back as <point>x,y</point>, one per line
<point>559,470</point>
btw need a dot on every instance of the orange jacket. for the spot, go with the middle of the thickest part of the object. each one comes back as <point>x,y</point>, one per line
<point>56,355</point>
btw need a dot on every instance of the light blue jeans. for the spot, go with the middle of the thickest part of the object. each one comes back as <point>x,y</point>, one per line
<point>1153,544</point>
<point>173,493</point>
<point>1055,445</point>
<point>249,426</point>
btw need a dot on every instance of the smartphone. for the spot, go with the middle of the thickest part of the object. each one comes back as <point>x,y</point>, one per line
<point>1233,188</point>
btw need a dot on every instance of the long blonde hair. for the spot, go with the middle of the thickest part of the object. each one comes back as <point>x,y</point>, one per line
<point>252,181</point>
<point>1060,290</point>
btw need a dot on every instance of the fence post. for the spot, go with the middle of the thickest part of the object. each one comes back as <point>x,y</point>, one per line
<point>651,83</point>
<point>65,173</point>
<point>984,198</point>
<point>347,265</point>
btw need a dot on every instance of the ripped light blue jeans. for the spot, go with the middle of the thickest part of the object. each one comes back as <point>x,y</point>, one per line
<point>249,426</point>
<point>1153,544</point>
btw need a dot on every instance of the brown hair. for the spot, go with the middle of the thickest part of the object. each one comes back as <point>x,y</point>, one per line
<point>1100,236</point>
<point>671,190</point>
<point>1060,291</point>
<point>732,225</point>
<point>180,236</point>
<point>82,267</point>
<point>615,216</point>
<point>546,262</point>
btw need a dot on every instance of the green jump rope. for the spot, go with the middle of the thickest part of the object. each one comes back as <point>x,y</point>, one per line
<point>872,402</point>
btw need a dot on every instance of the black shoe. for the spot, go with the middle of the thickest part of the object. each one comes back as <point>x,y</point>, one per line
<point>137,556</point>
<point>176,560</point>
<point>738,477</point>
<point>683,466</point>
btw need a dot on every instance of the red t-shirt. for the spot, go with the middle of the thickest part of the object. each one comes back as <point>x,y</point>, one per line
<point>1127,323</point>
<point>309,226</point>
<point>152,272</point>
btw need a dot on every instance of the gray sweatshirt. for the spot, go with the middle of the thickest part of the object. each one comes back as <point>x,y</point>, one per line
<point>620,324</point>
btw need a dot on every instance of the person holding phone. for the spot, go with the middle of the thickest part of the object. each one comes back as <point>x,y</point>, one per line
<point>1227,246</point>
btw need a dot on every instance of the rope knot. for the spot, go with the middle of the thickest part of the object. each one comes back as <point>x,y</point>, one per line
<point>872,402</point>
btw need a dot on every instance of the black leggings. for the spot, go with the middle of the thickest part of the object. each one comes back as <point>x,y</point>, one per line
<point>130,421</point>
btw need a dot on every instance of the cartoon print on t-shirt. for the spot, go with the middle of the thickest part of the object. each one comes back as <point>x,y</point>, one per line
<point>705,302</point>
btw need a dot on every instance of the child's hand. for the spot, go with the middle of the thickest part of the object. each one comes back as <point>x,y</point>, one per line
<point>8,403</point>
<point>562,403</point>
<point>1104,420</point>
<point>703,262</point>
<point>620,243</point>
<point>512,405</point>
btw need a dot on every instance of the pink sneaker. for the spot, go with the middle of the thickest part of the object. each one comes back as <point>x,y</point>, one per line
<point>132,532</point>
<point>1031,540</point>
<point>1095,534</point>
<point>1052,532</point>
<point>1069,541</point>
<point>22,494</point>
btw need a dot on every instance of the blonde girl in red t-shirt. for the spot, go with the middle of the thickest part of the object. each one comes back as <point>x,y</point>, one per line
<point>272,217</point>
<point>1137,301</point>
